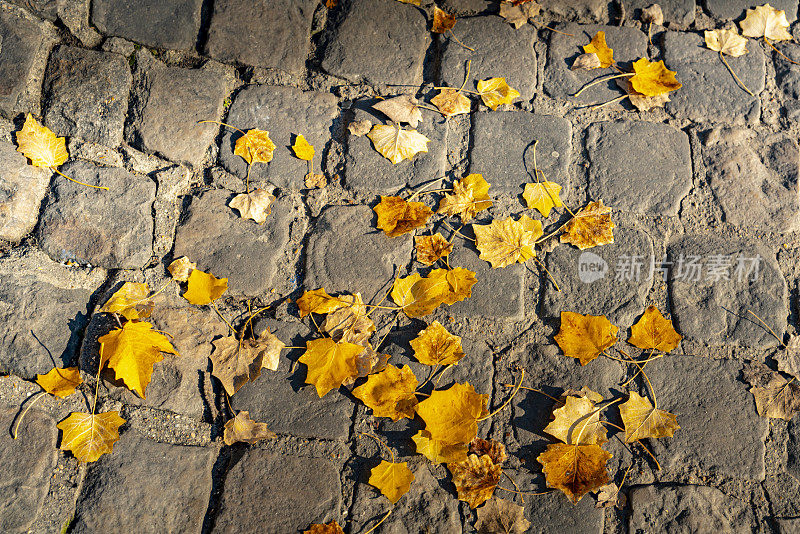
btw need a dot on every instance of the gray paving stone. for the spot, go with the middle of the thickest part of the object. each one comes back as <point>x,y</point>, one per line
<point>468,7</point>
<point>721,433</point>
<point>44,307</point>
<point>263,33</point>
<point>715,311</point>
<point>788,526</point>
<point>555,514</point>
<point>580,10</point>
<point>113,228</point>
<point>262,477</point>
<point>500,50</point>
<point>688,509</point>
<point>158,487</point>
<point>218,240</point>
<point>22,188</point>
<point>677,13</point>
<point>46,9</point>
<point>506,161</point>
<point>331,262</point>
<point>86,94</point>
<point>619,293</point>
<point>74,14</point>
<point>560,82</point>
<point>783,491</point>
<point>24,44</point>
<point>172,24</point>
<point>709,92</point>
<point>366,25</point>
<point>736,9</point>
<point>168,104</point>
<point>284,112</point>
<point>793,449</point>
<point>754,179</point>
<point>26,464</point>
<point>367,171</point>
<point>787,76</point>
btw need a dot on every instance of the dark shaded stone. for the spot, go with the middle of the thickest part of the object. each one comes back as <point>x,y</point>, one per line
<point>787,76</point>
<point>22,42</point>
<point>46,9</point>
<point>172,24</point>
<point>22,188</point>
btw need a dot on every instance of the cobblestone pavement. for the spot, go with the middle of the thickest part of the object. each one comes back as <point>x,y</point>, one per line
<point>714,175</point>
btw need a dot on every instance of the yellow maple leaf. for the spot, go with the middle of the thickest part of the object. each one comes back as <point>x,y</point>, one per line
<point>131,351</point>
<point>598,46</point>
<point>401,291</point>
<point>89,436</point>
<point>204,288</point>
<point>329,363</point>
<point>351,319</point>
<point>766,21</point>
<point>441,286</point>
<point>542,196</point>
<point>495,92</point>
<point>451,102</point>
<point>574,469</point>
<point>585,337</point>
<point>470,195</point>
<point>181,268</point>
<point>591,227</point>
<point>132,301</point>
<point>59,381</point>
<point>504,242</point>
<point>397,216</point>
<point>392,479</point>
<point>642,420</point>
<point>255,146</point>
<point>332,527</point>
<point>255,205</point>
<point>390,393</point>
<point>451,415</point>
<point>431,248</point>
<point>577,423</point>
<point>442,21</point>
<point>475,478</point>
<point>437,451</point>
<point>653,331</point>
<point>436,346</point>
<point>318,301</point>
<point>396,144</point>
<point>242,429</point>
<point>40,145</point>
<point>726,42</point>
<point>652,78</point>
<point>302,149</point>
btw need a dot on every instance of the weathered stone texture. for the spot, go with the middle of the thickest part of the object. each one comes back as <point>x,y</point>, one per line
<point>22,188</point>
<point>172,24</point>
<point>24,45</point>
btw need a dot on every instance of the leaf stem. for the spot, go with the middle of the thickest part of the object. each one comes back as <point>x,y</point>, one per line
<point>735,77</point>
<point>459,42</point>
<point>658,465</point>
<point>223,124</point>
<point>423,188</point>
<point>542,25</point>
<point>379,522</point>
<point>779,52</point>
<point>544,268</point>
<point>380,442</point>
<point>506,403</point>
<point>524,492</point>
<point>466,76</point>
<point>767,327</point>
<point>219,313</point>
<point>601,80</point>
<point>28,407</point>
<point>104,188</point>
<point>535,390</point>
<point>612,101</point>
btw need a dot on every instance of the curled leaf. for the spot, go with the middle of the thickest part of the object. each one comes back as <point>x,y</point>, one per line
<point>586,62</point>
<point>132,301</point>
<point>396,144</point>
<point>318,301</point>
<point>727,42</point>
<point>766,21</point>
<point>403,108</point>
<point>401,291</point>
<point>577,423</point>
<point>495,92</point>
<point>242,429</point>
<point>397,216</point>
<point>640,101</point>
<point>653,15</point>
<point>256,205</point>
<point>598,46</point>
<point>469,196</point>
<point>302,149</point>
<point>359,128</point>
<point>442,21</point>
<point>181,268</point>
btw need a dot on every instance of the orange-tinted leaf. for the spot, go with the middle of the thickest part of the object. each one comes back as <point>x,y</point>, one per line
<point>255,146</point>
<point>653,331</point>
<point>451,415</point>
<point>436,346</point>
<point>470,195</point>
<point>475,478</point>
<point>574,469</point>
<point>60,382</point>
<point>397,216</point>
<point>585,337</point>
<point>431,248</point>
<point>591,227</point>
<point>318,301</point>
<point>442,21</point>
<point>390,393</point>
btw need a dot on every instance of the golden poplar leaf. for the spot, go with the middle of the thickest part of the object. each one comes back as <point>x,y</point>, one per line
<point>574,469</point>
<point>641,102</point>
<point>368,361</point>
<point>475,478</point>
<point>401,291</point>
<point>431,248</point>
<point>766,21</point>
<point>495,92</point>
<point>396,144</point>
<point>390,393</point>
<point>727,42</point>
<point>459,283</point>
<point>90,436</point>
<point>470,195</point>
<point>652,78</point>
<point>302,149</point>
<point>451,102</point>
<point>392,479</point>
<point>318,301</point>
<point>397,216</point>
<point>439,452</point>
<point>329,363</point>
<point>442,21</point>
<point>780,399</point>
<point>239,361</point>
<point>351,319</point>
<point>500,516</point>
<point>40,145</point>
<point>59,381</point>
<point>585,337</point>
<point>542,196</point>
<point>181,268</point>
<point>653,331</point>
<point>505,242</point>
<point>255,146</point>
<point>255,205</point>
<point>132,301</point>
<point>403,108</point>
<point>451,415</point>
<point>436,346</point>
<point>242,429</point>
<point>441,286</point>
<point>598,46</point>
<point>204,288</point>
<point>328,528</point>
<point>131,351</point>
<point>642,420</point>
<point>591,227</point>
<point>412,2</point>
<point>577,423</point>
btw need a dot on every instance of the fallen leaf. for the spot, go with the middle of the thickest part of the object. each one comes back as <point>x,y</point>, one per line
<point>330,4</point>
<point>318,301</point>
<point>591,227</point>
<point>766,21</point>
<point>314,180</point>
<point>441,286</point>
<point>255,146</point>
<point>351,319</point>
<point>242,429</point>
<point>131,351</point>
<point>270,346</point>
<point>585,337</point>
<point>432,248</point>
<point>780,399</point>
<point>442,21</point>
<point>505,242</point>
<point>586,62</point>
<point>727,42</point>
<point>437,451</point>
<point>574,469</point>
<point>470,195</point>
<point>451,102</point>
<point>518,15</point>
<point>459,283</point>
<point>397,216</point>
<point>59,381</point>
<point>403,108</point>
<point>40,145</point>
<point>392,479</point>
<point>475,478</point>
<point>132,301</point>
<point>653,331</point>
<point>90,436</point>
<point>412,2</point>
<point>642,103</point>
<point>610,496</point>
<point>236,362</point>
<point>495,92</point>
<point>495,449</point>
<point>436,346</point>
<point>451,415</point>
<point>256,205</point>
<point>181,268</point>
<point>653,15</point>
<point>390,393</point>
<point>542,196</point>
<point>789,359</point>
<point>642,420</point>
<point>329,363</point>
<point>302,149</point>
<point>396,144</point>
<point>401,290</point>
<point>652,78</point>
<point>204,288</point>
<point>577,423</point>
<point>500,516</point>
<point>598,46</point>
<point>359,128</point>
<point>368,362</point>
<point>332,527</point>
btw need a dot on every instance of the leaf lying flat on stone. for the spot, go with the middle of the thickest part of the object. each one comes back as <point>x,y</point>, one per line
<point>242,429</point>
<point>255,205</point>
<point>587,61</point>
<point>401,108</point>
<point>727,42</point>
<point>766,21</point>
<point>396,144</point>
<point>499,516</point>
<point>599,47</point>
